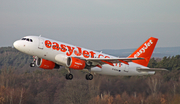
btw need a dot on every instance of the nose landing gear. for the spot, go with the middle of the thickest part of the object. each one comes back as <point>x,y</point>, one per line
<point>32,64</point>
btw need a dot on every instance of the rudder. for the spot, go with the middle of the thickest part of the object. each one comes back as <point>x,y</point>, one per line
<point>144,51</point>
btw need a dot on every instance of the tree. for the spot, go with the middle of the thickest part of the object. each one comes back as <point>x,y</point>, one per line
<point>154,83</point>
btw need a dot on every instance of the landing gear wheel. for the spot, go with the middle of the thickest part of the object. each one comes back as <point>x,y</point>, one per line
<point>89,76</point>
<point>32,65</point>
<point>69,76</point>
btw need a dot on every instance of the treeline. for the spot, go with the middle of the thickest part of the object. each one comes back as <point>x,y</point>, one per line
<point>51,87</point>
<point>10,57</point>
<point>20,84</point>
<point>170,63</point>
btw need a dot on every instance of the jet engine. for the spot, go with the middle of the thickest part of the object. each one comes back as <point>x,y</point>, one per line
<point>75,63</point>
<point>46,64</point>
<point>71,62</point>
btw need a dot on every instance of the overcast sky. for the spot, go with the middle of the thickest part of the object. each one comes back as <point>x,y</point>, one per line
<point>93,24</point>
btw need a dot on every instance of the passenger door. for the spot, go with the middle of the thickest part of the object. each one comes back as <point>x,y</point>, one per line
<point>41,43</point>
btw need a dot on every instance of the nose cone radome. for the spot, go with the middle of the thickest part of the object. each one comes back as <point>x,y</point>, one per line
<point>16,44</point>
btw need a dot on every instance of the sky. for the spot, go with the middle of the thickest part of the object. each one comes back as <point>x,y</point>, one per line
<point>92,24</point>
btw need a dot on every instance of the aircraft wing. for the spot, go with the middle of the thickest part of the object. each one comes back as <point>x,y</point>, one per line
<point>110,61</point>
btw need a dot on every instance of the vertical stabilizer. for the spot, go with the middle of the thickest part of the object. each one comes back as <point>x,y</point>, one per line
<point>144,51</point>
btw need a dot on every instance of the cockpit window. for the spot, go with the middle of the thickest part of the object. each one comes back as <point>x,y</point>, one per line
<point>27,39</point>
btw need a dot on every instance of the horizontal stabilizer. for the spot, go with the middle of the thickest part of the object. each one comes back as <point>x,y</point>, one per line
<point>151,69</point>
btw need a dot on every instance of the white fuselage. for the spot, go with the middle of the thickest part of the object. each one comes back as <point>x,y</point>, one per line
<point>39,46</point>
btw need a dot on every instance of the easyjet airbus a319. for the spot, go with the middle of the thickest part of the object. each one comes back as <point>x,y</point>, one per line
<point>50,54</point>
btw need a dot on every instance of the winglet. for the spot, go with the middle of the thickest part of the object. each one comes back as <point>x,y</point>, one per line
<point>144,51</point>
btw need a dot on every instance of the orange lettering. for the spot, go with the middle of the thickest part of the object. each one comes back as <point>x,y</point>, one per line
<point>119,64</point>
<point>55,46</point>
<point>86,54</point>
<point>63,48</point>
<point>100,55</point>
<point>78,53</point>
<point>70,50</point>
<point>92,54</point>
<point>107,57</point>
<point>48,44</point>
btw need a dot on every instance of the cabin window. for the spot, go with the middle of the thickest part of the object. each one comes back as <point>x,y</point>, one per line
<point>31,40</point>
<point>27,39</point>
<point>23,39</point>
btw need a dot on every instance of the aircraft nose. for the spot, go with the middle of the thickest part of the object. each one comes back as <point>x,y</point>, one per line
<point>16,44</point>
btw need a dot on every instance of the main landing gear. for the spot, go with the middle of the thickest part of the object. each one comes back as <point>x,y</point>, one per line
<point>69,76</point>
<point>89,76</point>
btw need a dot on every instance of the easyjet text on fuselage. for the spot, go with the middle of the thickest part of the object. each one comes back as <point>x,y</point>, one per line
<point>70,50</point>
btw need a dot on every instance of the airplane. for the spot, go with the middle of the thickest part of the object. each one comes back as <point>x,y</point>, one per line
<point>51,54</point>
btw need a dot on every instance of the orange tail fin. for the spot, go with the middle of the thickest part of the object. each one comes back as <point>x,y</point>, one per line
<point>144,51</point>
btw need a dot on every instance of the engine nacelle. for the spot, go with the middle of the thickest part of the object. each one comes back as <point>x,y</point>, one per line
<point>75,63</point>
<point>71,62</point>
<point>46,64</point>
